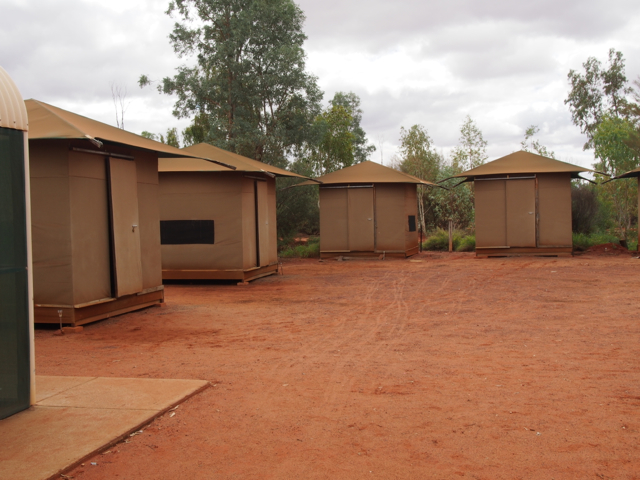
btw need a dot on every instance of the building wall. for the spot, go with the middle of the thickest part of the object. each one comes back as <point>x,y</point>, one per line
<point>90,236</point>
<point>502,212</point>
<point>51,222</point>
<point>554,209</point>
<point>392,204</point>
<point>411,208</point>
<point>216,196</point>
<point>391,231</point>
<point>149,213</point>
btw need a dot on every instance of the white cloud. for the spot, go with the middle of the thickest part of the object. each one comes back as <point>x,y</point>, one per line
<point>502,62</point>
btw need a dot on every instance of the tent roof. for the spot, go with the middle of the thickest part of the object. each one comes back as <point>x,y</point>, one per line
<point>522,162</point>
<point>204,150</point>
<point>13,114</point>
<point>631,174</point>
<point>49,122</point>
<point>367,172</point>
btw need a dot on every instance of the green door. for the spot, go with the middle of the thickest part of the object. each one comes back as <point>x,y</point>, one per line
<point>14,307</point>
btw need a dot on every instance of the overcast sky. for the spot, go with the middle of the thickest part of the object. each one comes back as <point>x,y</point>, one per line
<point>504,63</point>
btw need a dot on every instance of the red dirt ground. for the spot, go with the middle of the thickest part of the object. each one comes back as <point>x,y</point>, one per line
<point>441,366</point>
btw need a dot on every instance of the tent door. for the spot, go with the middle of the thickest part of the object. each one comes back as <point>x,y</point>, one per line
<point>262,223</point>
<point>125,231</point>
<point>14,299</point>
<point>521,213</point>
<point>361,219</point>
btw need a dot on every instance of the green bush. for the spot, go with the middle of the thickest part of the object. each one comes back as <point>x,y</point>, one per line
<point>583,241</point>
<point>467,244</point>
<point>310,250</point>
<point>439,240</point>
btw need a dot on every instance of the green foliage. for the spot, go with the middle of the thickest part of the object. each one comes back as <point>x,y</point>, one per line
<point>598,91</point>
<point>616,157</point>
<point>171,138</point>
<point>439,240</point>
<point>583,241</point>
<point>297,208</point>
<point>534,146</point>
<point>335,148</point>
<point>310,250</point>
<point>588,213</point>
<point>248,89</point>
<point>471,151</point>
<point>362,150</point>
<point>467,244</point>
<point>460,241</point>
<point>436,206</point>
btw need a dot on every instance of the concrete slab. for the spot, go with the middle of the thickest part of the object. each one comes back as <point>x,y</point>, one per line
<point>79,417</point>
<point>129,393</point>
<point>47,386</point>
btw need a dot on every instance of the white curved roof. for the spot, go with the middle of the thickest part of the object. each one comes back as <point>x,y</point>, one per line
<point>13,113</point>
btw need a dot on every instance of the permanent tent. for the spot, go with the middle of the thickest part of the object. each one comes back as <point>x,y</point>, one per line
<point>523,205</point>
<point>17,375</point>
<point>216,223</point>
<point>368,209</point>
<point>95,217</point>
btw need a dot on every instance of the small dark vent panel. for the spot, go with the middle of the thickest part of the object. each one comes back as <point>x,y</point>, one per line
<point>412,223</point>
<point>186,232</point>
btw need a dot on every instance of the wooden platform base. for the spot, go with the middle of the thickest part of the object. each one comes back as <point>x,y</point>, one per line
<point>240,275</point>
<point>376,253</point>
<point>524,251</point>
<point>75,316</point>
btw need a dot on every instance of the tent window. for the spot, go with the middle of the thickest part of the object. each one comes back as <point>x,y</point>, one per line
<point>412,223</point>
<point>186,232</point>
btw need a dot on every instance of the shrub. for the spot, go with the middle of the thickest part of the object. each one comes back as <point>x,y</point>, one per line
<point>439,240</point>
<point>467,244</point>
<point>310,250</point>
<point>583,241</point>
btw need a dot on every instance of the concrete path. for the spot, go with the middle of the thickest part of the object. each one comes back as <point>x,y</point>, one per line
<point>75,417</point>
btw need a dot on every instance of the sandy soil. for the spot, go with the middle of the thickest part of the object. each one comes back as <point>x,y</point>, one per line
<point>441,366</point>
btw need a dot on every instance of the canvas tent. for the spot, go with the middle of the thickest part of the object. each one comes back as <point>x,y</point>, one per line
<point>17,376</point>
<point>523,205</point>
<point>95,218</point>
<point>217,223</point>
<point>368,209</point>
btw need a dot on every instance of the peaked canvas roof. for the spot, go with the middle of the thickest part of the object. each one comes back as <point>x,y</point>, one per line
<point>237,162</point>
<point>49,122</point>
<point>631,174</point>
<point>368,172</point>
<point>523,162</point>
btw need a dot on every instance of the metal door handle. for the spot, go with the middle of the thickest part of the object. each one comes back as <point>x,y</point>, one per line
<point>133,228</point>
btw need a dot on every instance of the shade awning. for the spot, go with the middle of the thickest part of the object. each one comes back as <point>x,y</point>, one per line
<point>630,174</point>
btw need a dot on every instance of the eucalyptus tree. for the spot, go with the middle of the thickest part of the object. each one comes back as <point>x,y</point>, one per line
<point>597,92</point>
<point>247,88</point>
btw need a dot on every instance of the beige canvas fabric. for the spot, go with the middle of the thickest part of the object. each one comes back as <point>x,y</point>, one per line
<point>554,207</point>
<point>71,223</point>
<point>241,164</point>
<point>367,218</point>
<point>367,172</point>
<point>522,162</point>
<point>229,199</point>
<point>49,122</point>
